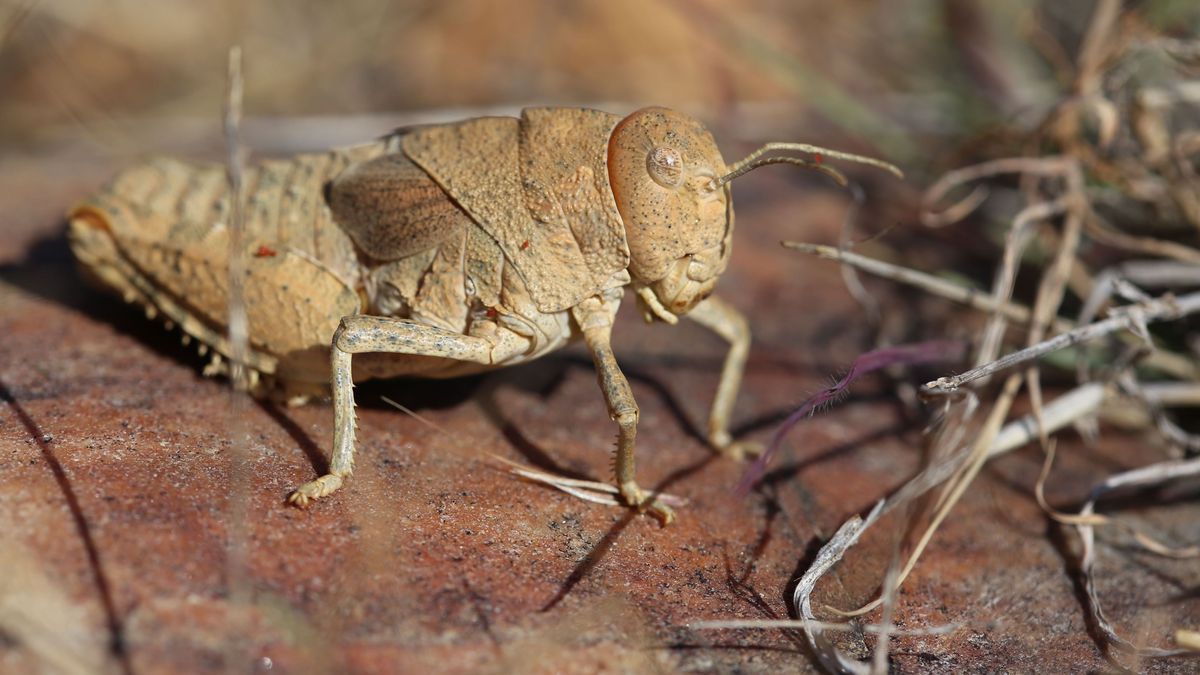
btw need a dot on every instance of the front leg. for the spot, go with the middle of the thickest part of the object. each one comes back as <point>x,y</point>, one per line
<point>359,333</point>
<point>595,321</point>
<point>724,320</point>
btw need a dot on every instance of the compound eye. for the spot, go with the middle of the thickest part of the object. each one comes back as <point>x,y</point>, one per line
<point>665,166</point>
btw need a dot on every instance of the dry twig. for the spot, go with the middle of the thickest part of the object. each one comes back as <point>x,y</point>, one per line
<point>1154,474</point>
<point>1133,318</point>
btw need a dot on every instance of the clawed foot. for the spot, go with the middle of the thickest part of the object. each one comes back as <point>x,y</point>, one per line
<point>723,443</point>
<point>321,487</point>
<point>634,497</point>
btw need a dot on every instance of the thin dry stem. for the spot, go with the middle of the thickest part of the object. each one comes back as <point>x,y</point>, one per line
<point>922,280</point>
<point>592,491</point>
<point>1158,548</point>
<point>1183,394</point>
<point>413,414</point>
<point>891,581</point>
<point>1039,491</point>
<point>1106,234</point>
<point>1051,291</point>
<point>234,160</point>
<point>1168,362</point>
<point>826,626</point>
<point>1077,404</point>
<point>1096,46</point>
<point>1131,318</point>
<point>958,485</point>
<point>1116,280</point>
<point>237,550</point>
<point>1044,166</point>
<point>1153,474</point>
<point>1015,243</point>
<point>829,555</point>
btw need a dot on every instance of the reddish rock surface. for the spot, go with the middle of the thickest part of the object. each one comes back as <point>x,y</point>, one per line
<point>132,544</point>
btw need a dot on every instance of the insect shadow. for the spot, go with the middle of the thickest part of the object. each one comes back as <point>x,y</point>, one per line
<point>602,548</point>
<point>415,395</point>
<point>542,378</point>
<point>545,376</point>
<point>737,581</point>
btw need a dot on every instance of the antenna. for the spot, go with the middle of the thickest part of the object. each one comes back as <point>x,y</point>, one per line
<point>753,161</point>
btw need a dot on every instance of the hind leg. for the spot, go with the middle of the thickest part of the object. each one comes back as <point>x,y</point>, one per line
<point>358,334</point>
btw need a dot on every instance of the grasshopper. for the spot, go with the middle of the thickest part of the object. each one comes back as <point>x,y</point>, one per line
<point>441,251</point>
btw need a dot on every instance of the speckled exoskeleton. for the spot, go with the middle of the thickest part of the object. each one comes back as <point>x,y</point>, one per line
<point>441,251</point>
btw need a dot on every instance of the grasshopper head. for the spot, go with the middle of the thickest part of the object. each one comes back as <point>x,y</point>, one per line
<point>664,169</point>
<point>672,189</point>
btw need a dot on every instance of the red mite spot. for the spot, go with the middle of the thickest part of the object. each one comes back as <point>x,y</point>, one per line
<point>818,158</point>
<point>491,312</point>
<point>264,251</point>
<point>524,244</point>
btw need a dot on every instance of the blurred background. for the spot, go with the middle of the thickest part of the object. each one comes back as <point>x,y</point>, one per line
<point>115,74</point>
<point>922,83</point>
<point>917,82</point>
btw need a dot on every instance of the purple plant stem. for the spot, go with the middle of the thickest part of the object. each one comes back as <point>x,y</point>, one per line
<point>933,351</point>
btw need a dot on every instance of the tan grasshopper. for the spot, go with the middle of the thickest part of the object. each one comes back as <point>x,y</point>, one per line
<point>441,251</point>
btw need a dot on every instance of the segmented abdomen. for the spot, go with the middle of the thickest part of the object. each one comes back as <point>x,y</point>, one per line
<point>159,235</point>
<point>283,207</point>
